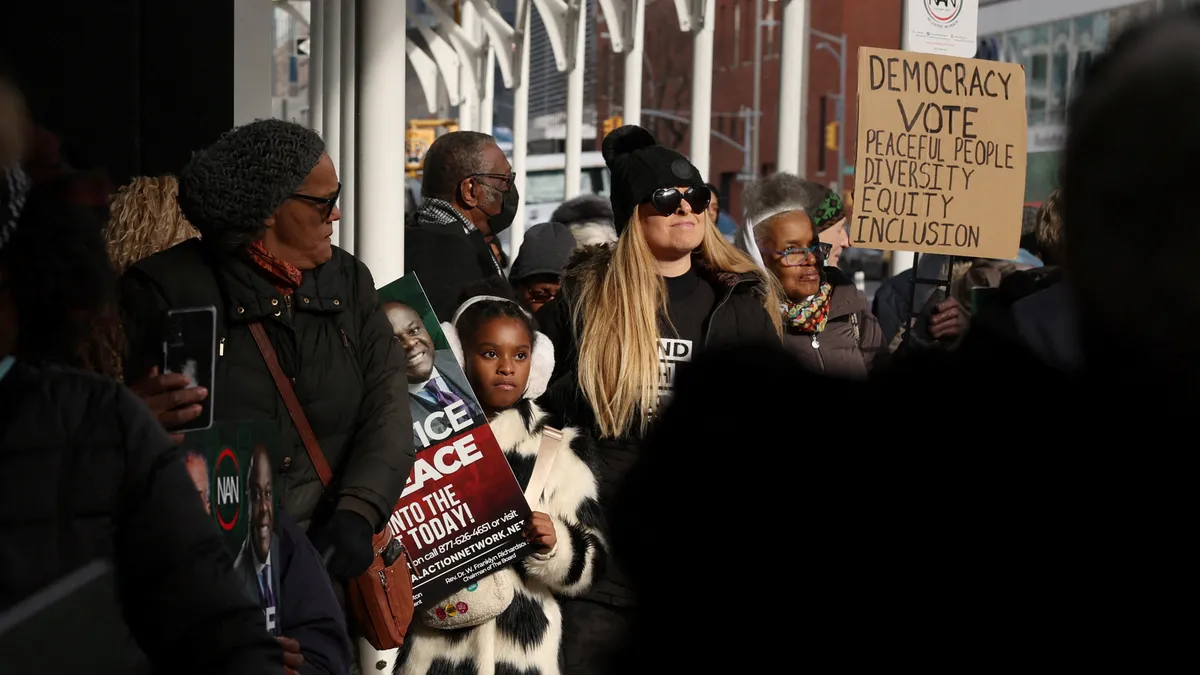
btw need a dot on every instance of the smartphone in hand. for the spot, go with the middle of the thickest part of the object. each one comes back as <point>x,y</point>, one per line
<point>190,348</point>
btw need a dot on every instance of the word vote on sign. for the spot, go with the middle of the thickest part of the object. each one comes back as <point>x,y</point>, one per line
<point>941,154</point>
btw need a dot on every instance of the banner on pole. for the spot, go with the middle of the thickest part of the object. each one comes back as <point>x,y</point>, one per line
<point>941,155</point>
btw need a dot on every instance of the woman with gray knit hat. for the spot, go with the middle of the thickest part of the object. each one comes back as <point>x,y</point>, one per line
<point>264,199</point>
<point>827,322</point>
<point>629,314</point>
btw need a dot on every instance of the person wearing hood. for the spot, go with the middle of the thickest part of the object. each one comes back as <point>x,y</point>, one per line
<point>468,198</point>
<point>828,324</point>
<point>508,363</point>
<point>629,316</point>
<point>536,275</point>
<point>590,218</point>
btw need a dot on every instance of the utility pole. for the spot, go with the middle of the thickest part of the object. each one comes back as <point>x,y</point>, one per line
<point>758,56</point>
<point>836,46</point>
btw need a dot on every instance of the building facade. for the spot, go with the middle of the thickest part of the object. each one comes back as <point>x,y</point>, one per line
<point>666,83</point>
<point>1055,42</point>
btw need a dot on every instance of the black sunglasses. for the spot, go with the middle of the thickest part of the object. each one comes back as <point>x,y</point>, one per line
<point>329,202</point>
<point>667,200</point>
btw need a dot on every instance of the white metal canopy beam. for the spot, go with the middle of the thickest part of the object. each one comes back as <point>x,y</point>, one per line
<point>427,74</point>
<point>444,55</point>
<point>635,22</point>
<point>556,17</point>
<point>702,77</point>
<point>614,12</point>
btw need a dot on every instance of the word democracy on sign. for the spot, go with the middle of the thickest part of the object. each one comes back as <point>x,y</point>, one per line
<point>925,77</point>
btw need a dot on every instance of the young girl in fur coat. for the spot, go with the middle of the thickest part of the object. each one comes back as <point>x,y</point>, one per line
<point>508,364</point>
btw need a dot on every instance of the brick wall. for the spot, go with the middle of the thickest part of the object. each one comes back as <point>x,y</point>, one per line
<point>667,68</point>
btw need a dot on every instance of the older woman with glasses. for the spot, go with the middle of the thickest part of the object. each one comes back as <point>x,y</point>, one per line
<point>827,322</point>
<point>264,198</point>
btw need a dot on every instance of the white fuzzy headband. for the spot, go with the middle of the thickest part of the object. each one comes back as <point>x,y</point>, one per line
<point>541,366</point>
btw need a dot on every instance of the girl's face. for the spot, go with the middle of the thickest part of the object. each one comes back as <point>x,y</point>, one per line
<point>498,359</point>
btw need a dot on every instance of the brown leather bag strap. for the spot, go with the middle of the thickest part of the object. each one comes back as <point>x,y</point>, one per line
<point>293,404</point>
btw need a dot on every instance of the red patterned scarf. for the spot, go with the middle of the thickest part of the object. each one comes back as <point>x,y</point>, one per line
<point>284,276</point>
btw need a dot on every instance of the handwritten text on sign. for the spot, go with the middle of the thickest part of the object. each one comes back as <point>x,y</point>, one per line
<point>941,154</point>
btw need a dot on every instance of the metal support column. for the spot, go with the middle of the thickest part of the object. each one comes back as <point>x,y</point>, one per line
<point>468,110</point>
<point>331,59</point>
<point>316,65</point>
<point>347,141</point>
<point>793,93</point>
<point>487,104</point>
<point>380,172</point>
<point>571,162</point>
<point>520,151</point>
<point>702,79</point>
<point>632,101</point>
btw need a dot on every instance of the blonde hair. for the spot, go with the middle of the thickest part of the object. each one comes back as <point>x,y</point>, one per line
<point>1048,233</point>
<point>618,310</point>
<point>144,218</point>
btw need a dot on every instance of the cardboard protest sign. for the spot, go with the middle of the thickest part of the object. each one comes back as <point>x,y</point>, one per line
<point>462,513</point>
<point>941,155</point>
<point>232,466</point>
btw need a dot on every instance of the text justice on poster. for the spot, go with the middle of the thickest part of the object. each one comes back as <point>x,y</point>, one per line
<point>941,155</point>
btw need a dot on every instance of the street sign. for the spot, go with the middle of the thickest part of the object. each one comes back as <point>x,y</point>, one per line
<point>303,46</point>
<point>946,27</point>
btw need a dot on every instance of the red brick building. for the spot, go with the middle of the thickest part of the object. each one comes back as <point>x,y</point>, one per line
<point>666,81</point>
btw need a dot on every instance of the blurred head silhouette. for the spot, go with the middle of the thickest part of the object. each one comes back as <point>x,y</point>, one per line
<point>1131,232</point>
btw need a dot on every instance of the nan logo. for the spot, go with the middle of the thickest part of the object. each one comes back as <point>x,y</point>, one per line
<point>944,12</point>
<point>227,476</point>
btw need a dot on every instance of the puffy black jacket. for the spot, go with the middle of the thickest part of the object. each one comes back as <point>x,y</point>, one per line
<point>738,318</point>
<point>86,472</point>
<point>332,340</point>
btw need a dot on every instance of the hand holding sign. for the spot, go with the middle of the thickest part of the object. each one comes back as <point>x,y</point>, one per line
<point>541,533</point>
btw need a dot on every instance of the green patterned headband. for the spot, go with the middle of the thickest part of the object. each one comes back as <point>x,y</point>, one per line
<point>831,210</point>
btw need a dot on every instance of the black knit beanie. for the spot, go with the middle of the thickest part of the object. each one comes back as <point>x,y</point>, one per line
<point>639,166</point>
<point>229,189</point>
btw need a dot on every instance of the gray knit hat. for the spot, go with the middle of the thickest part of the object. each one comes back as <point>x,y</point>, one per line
<point>229,189</point>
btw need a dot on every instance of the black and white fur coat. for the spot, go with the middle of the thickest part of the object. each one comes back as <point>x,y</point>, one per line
<point>526,639</point>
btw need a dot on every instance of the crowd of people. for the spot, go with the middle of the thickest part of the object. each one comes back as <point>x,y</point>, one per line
<point>985,469</point>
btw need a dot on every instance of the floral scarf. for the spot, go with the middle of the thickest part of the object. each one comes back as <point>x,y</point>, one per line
<point>809,316</point>
<point>284,276</point>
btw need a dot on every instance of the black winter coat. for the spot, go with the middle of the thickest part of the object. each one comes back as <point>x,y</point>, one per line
<point>86,472</point>
<point>738,317</point>
<point>332,340</point>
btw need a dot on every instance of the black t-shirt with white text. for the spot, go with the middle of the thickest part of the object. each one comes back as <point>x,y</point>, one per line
<point>690,301</point>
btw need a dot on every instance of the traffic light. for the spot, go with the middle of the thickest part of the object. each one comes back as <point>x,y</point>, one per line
<point>831,136</point>
<point>611,123</point>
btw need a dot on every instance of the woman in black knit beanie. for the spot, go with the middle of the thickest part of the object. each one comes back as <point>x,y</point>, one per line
<point>264,199</point>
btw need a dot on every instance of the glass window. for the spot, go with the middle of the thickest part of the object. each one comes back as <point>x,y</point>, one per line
<point>1038,69</point>
<point>548,187</point>
<point>1037,111</point>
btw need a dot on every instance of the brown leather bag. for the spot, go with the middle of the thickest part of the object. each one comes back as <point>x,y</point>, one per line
<point>380,598</point>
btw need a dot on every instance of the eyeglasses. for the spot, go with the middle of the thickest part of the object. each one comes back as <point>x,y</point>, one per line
<point>541,295</point>
<point>508,179</point>
<point>795,256</point>
<point>667,200</point>
<point>328,202</point>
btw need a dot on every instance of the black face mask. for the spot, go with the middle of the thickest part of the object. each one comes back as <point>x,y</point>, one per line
<point>501,220</point>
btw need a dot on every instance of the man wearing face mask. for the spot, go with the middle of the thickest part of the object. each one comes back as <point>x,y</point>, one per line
<point>468,198</point>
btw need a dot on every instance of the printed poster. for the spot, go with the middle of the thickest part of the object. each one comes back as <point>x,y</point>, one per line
<point>232,468</point>
<point>462,513</point>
